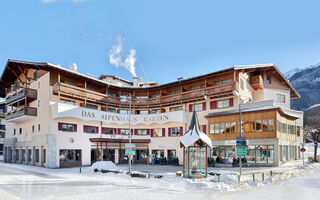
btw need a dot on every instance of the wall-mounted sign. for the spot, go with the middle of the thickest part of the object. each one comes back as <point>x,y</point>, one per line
<point>63,110</point>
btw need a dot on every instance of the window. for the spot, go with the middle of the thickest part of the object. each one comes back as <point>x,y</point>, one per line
<point>155,111</point>
<point>220,104</point>
<point>123,111</point>
<point>124,131</point>
<point>69,102</point>
<point>211,128</point>
<point>194,87</point>
<point>141,96</point>
<point>35,75</point>
<point>112,110</point>
<point>68,82</point>
<point>233,127</point>
<point>177,108</point>
<point>20,131</point>
<point>258,125</point>
<point>241,84</point>
<point>298,130</point>
<point>228,130</point>
<point>222,128</point>
<point>264,125</point>
<point>226,103</point>
<point>141,131</point>
<point>141,112</point>
<point>108,131</point>
<point>216,128</point>
<point>158,132</point>
<point>175,91</point>
<point>155,95</point>
<point>66,127</point>
<point>14,131</point>
<point>197,107</point>
<point>38,127</point>
<point>92,89</point>
<point>281,98</point>
<point>32,129</point>
<point>217,83</point>
<point>226,81</point>
<point>271,125</point>
<point>202,86</point>
<point>90,106</point>
<point>123,96</point>
<point>112,94</point>
<point>175,131</point>
<point>268,79</point>
<point>90,129</point>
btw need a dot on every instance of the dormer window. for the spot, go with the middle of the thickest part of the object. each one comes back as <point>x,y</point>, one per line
<point>268,79</point>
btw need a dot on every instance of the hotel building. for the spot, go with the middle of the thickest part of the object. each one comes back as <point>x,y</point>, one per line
<point>2,127</point>
<point>58,117</point>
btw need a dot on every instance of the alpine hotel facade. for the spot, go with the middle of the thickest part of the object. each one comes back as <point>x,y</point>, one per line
<point>58,117</point>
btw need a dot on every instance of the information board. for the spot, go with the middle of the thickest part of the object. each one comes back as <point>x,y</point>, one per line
<point>241,146</point>
<point>130,148</point>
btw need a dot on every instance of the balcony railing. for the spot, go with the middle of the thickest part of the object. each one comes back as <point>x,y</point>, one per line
<point>256,82</point>
<point>21,93</point>
<point>188,96</point>
<point>22,111</point>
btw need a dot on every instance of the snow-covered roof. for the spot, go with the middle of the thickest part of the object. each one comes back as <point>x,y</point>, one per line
<point>194,133</point>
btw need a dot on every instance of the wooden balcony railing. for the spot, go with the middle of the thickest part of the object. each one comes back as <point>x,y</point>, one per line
<point>256,82</point>
<point>22,111</point>
<point>188,96</point>
<point>21,93</point>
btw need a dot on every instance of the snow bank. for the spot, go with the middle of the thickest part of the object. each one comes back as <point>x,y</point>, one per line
<point>105,165</point>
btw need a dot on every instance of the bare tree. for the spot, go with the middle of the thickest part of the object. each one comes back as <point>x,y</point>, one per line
<point>314,133</point>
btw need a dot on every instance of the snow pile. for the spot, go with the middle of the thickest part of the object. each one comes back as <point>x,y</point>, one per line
<point>105,165</point>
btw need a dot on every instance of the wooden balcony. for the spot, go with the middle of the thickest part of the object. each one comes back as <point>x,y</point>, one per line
<point>21,93</point>
<point>175,99</point>
<point>21,114</point>
<point>256,82</point>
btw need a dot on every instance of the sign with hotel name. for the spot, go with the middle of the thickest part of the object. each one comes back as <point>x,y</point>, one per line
<point>108,117</point>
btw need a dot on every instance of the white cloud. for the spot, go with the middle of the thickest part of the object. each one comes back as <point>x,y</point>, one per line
<point>116,60</point>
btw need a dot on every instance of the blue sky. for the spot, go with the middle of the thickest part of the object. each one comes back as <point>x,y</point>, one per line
<point>171,38</point>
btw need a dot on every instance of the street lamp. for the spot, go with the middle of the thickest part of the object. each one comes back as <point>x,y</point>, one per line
<point>125,100</point>
<point>236,93</point>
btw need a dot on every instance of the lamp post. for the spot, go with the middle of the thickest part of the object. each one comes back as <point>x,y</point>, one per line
<point>124,100</point>
<point>236,93</point>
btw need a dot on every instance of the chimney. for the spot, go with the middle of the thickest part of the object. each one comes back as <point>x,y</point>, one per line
<point>73,66</point>
<point>135,81</point>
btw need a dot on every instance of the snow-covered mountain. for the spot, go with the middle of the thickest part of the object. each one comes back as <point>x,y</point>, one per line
<point>307,82</point>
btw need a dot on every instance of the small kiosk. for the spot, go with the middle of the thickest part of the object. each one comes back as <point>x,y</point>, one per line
<point>195,143</point>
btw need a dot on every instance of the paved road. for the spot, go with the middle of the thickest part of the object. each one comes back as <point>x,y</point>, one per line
<point>24,184</point>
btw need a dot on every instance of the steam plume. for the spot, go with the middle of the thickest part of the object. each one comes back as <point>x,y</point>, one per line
<point>116,60</point>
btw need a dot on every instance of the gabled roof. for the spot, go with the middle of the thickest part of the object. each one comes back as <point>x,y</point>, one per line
<point>194,133</point>
<point>294,93</point>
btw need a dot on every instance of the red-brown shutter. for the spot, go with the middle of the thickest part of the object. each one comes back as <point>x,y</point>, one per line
<point>103,130</point>
<point>74,127</point>
<point>136,131</point>
<point>119,131</point>
<point>169,131</point>
<point>148,131</point>
<point>97,129</point>
<point>84,128</point>
<point>190,107</point>
<point>114,131</point>
<point>181,130</point>
<point>163,132</point>
<point>231,102</point>
<point>204,106</point>
<point>213,105</point>
<point>204,129</point>
<point>60,126</point>
<point>151,130</point>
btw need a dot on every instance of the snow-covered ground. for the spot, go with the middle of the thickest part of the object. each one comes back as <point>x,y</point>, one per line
<point>30,182</point>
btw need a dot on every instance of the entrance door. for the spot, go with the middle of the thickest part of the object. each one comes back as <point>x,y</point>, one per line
<point>93,156</point>
<point>111,155</point>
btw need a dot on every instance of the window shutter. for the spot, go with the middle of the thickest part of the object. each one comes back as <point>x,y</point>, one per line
<point>151,132</point>
<point>231,102</point>
<point>74,127</point>
<point>181,131</point>
<point>115,131</point>
<point>190,107</point>
<point>204,129</point>
<point>169,131</point>
<point>103,130</point>
<point>119,131</point>
<point>97,129</point>
<point>136,131</point>
<point>204,106</point>
<point>132,131</point>
<point>213,105</point>
<point>84,128</point>
<point>148,131</point>
<point>163,132</point>
<point>60,126</point>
